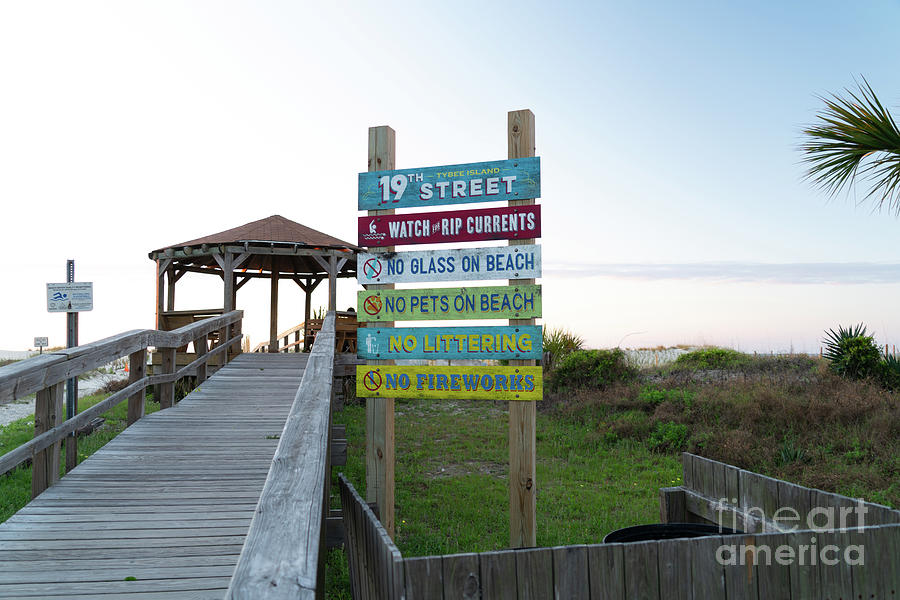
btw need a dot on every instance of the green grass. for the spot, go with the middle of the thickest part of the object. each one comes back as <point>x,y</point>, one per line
<point>451,480</point>
<point>15,486</point>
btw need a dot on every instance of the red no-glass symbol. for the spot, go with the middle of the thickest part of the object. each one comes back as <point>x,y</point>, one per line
<point>372,305</point>
<point>372,380</point>
<point>372,268</point>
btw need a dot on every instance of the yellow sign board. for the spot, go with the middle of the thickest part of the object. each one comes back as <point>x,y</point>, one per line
<point>450,383</point>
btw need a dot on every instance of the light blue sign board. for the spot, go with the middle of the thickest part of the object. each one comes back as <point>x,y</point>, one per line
<point>499,343</point>
<point>494,181</point>
<point>459,264</point>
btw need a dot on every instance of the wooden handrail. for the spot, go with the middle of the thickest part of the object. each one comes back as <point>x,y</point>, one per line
<point>283,554</point>
<point>30,375</point>
<point>41,372</point>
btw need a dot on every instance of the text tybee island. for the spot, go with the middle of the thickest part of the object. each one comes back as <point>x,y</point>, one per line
<point>502,302</point>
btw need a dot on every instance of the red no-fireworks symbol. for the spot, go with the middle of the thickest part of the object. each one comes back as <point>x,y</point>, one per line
<point>372,268</point>
<point>372,305</point>
<point>372,381</point>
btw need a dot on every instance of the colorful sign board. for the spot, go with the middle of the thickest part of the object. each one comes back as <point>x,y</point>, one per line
<point>499,180</point>
<point>501,302</point>
<point>70,297</point>
<point>506,223</point>
<point>520,342</point>
<point>421,266</point>
<point>450,383</point>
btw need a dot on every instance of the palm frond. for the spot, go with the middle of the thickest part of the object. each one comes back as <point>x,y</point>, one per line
<point>855,138</point>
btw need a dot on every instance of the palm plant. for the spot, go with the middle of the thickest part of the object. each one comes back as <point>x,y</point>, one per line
<point>851,353</point>
<point>855,137</point>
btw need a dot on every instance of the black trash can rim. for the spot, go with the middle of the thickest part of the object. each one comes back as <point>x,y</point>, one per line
<point>666,531</point>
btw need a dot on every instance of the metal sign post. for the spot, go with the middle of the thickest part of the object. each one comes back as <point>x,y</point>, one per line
<point>41,343</point>
<point>72,382</point>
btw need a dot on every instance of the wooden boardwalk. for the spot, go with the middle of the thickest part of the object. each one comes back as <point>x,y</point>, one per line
<point>168,502</point>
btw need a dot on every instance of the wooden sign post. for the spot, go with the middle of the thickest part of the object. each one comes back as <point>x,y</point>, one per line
<point>380,411</point>
<point>383,188</point>
<point>522,415</point>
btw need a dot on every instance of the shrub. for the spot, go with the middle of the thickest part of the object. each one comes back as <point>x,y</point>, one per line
<point>711,358</point>
<point>559,343</point>
<point>592,369</point>
<point>668,437</point>
<point>890,372</point>
<point>851,353</point>
<point>655,396</point>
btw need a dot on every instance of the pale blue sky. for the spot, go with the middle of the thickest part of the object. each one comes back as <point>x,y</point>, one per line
<point>667,132</point>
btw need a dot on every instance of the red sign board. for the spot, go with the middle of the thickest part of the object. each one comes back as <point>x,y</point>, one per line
<point>506,223</point>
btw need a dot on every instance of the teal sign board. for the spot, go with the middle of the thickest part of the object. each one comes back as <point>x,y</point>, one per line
<point>495,181</point>
<point>482,343</point>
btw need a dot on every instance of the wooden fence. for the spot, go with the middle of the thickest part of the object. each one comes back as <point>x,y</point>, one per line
<point>284,552</point>
<point>752,565</point>
<point>45,376</point>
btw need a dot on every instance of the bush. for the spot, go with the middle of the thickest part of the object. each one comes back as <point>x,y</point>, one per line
<point>711,358</point>
<point>668,437</point>
<point>652,395</point>
<point>890,372</point>
<point>559,343</point>
<point>592,369</point>
<point>851,353</point>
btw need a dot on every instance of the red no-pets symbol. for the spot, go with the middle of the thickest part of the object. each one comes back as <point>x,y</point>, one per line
<point>372,305</point>
<point>372,268</point>
<point>372,381</point>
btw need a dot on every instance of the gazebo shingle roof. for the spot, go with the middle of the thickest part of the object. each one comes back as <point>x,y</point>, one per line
<point>275,229</point>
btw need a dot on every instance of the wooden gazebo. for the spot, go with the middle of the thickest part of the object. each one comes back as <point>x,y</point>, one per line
<point>273,248</point>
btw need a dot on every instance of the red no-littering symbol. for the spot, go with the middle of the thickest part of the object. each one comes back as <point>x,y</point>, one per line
<point>372,268</point>
<point>372,305</point>
<point>372,381</point>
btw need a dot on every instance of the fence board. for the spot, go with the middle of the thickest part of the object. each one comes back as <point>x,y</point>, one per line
<point>740,577</point>
<point>570,573</point>
<point>461,576</point>
<point>707,575</point>
<point>773,579</point>
<point>498,570</point>
<point>641,570</point>
<point>424,578</point>
<point>674,569</point>
<point>534,573</point>
<point>608,563</point>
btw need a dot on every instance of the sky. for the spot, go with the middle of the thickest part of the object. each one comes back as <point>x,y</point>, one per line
<point>673,203</point>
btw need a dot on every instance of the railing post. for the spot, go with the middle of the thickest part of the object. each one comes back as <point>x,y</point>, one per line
<point>236,330</point>
<point>167,389</point>
<point>48,413</point>
<point>137,366</point>
<point>201,347</point>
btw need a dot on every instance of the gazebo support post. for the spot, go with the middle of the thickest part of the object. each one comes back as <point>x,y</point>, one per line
<point>162,265</point>
<point>307,313</point>
<point>170,287</point>
<point>307,286</point>
<point>227,265</point>
<point>332,282</point>
<point>273,308</point>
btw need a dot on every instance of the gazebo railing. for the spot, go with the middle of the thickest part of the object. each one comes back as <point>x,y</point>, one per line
<point>45,376</point>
